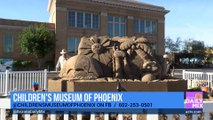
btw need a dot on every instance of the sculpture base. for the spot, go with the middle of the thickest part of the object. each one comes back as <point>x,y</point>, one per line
<point>103,85</point>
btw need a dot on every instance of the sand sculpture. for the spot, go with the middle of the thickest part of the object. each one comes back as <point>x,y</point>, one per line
<point>117,57</point>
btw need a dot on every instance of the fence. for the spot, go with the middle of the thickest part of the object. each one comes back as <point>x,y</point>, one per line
<point>21,80</point>
<point>207,109</point>
<point>205,78</point>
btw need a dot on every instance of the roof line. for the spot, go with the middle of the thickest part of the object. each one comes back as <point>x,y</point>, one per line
<point>135,5</point>
<point>25,21</point>
<point>17,27</point>
<point>49,5</point>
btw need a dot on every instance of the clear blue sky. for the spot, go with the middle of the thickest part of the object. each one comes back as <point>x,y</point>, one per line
<point>186,19</point>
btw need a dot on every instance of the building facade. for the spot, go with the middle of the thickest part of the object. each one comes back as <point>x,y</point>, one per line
<point>9,33</point>
<point>73,19</point>
<point>76,18</point>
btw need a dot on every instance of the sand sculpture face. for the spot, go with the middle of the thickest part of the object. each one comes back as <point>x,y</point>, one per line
<point>119,57</point>
<point>96,48</point>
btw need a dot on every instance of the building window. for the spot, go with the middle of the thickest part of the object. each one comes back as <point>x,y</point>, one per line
<point>116,29</point>
<point>72,44</point>
<point>148,27</point>
<point>153,27</point>
<point>123,29</point>
<point>79,19</point>
<point>136,25</point>
<point>88,20</point>
<point>144,26</point>
<point>8,43</point>
<point>110,29</point>
<point>116,26</point>
<point>95,21</point>
<point>72,19</point>
<point>83,20</point>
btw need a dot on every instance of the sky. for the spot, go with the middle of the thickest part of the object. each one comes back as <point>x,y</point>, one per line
<point>186,19</point>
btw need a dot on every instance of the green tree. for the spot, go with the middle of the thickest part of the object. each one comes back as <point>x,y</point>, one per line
<point>194,46</point>
<point>36,40</point>
<point>171,45</point>
<point>195,50</point>
<point>208,55</point>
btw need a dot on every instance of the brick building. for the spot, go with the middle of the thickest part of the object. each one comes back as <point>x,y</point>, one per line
<point>9,33</point>
<point>76,18</point>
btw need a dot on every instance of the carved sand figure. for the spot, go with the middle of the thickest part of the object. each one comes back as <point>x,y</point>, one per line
<point>168,65</point>
<point>119,57</point>
<point>118,64</point>
<point>99,48</point>
<point>139,57</point>
<point>82,67</point>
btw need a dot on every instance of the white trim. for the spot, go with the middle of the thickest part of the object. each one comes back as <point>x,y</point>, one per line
<point>49,3</point>
<point>52,19</point>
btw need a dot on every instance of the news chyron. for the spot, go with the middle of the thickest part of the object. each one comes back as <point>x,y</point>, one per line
<point>106,102</point>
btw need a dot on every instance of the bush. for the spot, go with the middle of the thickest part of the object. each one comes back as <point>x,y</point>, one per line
<point>21,63</point>
<point>17,64</point>
<point>26,63</point>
